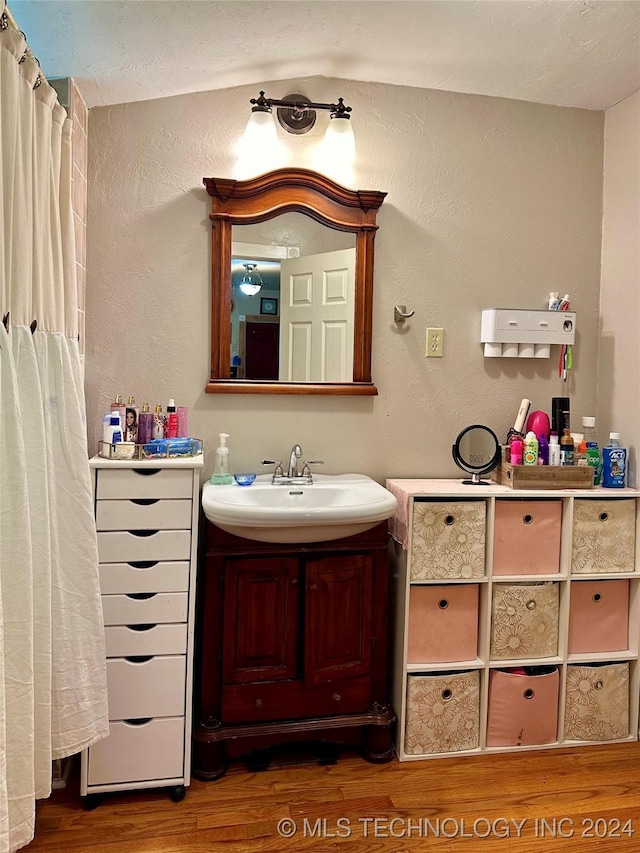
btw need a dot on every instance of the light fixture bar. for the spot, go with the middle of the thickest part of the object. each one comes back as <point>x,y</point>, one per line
<point>296,113</point>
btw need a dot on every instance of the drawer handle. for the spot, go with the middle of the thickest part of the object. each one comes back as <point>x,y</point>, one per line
<point>449,520</point>
<point>143,564</point>
<point>139,658</point>
<point>604,516</point>
<point>146,472</point>
<point>599,685</point>
<point>142,627</point>
<point>143,532</point>
<point>443,604</point>
<point>144,501</point>
<point>447,694</point>
<point>141,721</point>
<point>336,697</point>
<point>597,597</point>
<point>258,703</point>
<point>529,694</point>
<point>528,519</point>
<point>140,596</point>
<point>531,605</point>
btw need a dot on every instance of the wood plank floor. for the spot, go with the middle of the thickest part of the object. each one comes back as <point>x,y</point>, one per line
<point>575,801</point>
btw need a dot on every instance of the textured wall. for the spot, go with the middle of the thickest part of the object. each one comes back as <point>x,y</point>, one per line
<point>491,203</point>
<point>619,365</point>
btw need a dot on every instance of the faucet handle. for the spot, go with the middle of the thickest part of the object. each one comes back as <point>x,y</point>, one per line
<point>306,471</point>
<point>278,472</point>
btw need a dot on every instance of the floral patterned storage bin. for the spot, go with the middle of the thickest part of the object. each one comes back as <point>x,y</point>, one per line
<point>443,713</point>
<point>604,536</point>
<point>597,702</point>
<point>524,621</point>
<point>448,540</point>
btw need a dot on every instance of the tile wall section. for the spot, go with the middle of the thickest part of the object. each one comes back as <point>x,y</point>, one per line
<point>79,113</point>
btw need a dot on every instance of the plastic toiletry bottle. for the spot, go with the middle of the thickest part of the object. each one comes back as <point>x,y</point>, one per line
<point>566,448</point>
<point>530,449</point>
<point>145,425</point>
<point>581,454</point>
<point>118,406</point>
<point>111,433</point>
<point>221,472</point>
<point>614,463</point>
<point>183,421</point>
<point>543,449</point>
<point>130,425</point>
<point>171,430</point>
<point>554,449</point>
<point>593,448</point>
<point>517,447</point>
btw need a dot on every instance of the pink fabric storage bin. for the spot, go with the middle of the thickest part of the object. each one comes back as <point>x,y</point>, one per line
<point>443,623</point>
<point>527,537</point>
<point>599,616</point>
<point>523,709</point>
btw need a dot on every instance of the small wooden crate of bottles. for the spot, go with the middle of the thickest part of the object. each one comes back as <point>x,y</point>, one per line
<point>541,476</point>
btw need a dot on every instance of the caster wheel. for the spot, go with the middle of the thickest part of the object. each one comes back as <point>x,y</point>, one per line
<point>92,801</point>
<point>177,794</point>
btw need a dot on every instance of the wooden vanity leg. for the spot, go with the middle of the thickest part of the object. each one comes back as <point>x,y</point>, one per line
<point>209,760</point>
<point>378,744</point>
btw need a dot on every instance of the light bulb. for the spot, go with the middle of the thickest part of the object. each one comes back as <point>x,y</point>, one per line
<point>337,153</point>
<point>259,149</point>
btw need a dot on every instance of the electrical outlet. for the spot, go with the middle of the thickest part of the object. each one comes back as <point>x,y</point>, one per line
<point>435,343</point>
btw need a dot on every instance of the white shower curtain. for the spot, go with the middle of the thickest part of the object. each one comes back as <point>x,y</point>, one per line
<point>53,700</point>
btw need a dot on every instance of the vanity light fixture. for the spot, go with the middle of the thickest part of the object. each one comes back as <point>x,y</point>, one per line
<point>297,115</point>
<point>251,281</point>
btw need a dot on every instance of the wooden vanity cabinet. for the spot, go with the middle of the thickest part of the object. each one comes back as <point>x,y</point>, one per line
<point>292,646</point>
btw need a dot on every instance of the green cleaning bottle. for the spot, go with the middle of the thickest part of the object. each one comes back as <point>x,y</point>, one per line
<point>221,474</point>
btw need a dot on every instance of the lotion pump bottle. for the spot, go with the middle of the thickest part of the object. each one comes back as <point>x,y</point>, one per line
<point>221,474</point>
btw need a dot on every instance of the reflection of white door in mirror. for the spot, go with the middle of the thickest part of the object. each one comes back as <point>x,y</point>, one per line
<point>316,317</point>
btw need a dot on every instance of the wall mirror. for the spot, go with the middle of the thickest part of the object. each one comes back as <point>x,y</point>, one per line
<point>292,285</point>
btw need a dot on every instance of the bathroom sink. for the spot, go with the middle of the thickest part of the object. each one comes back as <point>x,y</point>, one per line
<point>332,507</point>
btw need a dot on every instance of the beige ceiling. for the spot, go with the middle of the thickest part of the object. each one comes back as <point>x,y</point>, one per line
<point>576,53</point>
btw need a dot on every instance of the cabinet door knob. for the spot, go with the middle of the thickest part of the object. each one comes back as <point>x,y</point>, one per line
<point>313,586</point>
<point>336,697</point>
<point>294,581</point>
<point>258,703</point>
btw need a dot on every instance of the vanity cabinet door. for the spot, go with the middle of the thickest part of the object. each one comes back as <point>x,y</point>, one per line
<point>260,610</point>
<point>338,618</point>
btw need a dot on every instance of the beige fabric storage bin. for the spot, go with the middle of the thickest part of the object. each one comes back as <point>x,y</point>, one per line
<point>599,616</point>
<point>524,620</point>
<point>597,702</point>
<point>443,623</point>
<point>526,538</point>
<point>443,713</point>
<point>603,537</point>
<point>523,709</point>
<point>448,540</point>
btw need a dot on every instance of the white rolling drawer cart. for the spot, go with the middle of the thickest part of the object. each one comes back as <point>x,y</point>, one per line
<point>517,617</point>
<point>147,524</point>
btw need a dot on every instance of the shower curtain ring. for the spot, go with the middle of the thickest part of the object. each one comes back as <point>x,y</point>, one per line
<point>33,326</point>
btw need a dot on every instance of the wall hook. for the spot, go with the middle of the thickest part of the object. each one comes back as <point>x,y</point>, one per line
<point>400,313</point>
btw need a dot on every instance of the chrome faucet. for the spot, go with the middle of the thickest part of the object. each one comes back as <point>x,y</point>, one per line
<point>294,476</point>
<point>296,453</point>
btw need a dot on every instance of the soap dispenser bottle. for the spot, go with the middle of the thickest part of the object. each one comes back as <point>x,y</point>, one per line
<point>221,474</point>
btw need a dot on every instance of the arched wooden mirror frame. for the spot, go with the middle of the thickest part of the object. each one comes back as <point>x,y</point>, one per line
<point>258,200</point>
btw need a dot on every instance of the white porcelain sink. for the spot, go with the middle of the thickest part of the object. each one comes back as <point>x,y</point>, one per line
<point>334,506</point>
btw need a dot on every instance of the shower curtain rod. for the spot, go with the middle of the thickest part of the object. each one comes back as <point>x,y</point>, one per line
<point>28,52</point>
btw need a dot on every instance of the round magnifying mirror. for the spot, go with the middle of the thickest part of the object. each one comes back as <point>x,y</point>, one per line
<point>477,451</point>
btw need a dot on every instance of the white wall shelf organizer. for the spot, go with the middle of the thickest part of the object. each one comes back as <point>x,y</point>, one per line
<point>508,607</point>
<point>147,522</point>
<point>520,333</point>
